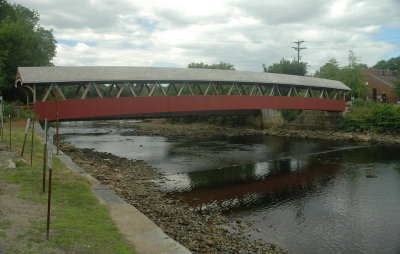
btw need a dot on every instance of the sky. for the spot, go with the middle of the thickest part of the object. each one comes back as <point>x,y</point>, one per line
<point>245,33</point>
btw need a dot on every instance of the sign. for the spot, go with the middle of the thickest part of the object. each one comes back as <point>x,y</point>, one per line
<point>50,148</point>
<point>28,121</point>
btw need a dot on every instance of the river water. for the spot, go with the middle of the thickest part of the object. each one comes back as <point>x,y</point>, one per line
<point>306,196</point>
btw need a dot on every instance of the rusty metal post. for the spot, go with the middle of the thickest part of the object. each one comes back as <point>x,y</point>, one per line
<point>1,116</point>
<point>2,127</point>
<point>44,157</point>
<point>50,164</point>
<point>9,117</point>
<point>33,131</point>
<point>49,204</point>
<point>28,120</point>
<point>2,123</point>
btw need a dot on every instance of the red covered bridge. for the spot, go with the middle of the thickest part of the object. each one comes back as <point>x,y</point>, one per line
<point>85,93</point>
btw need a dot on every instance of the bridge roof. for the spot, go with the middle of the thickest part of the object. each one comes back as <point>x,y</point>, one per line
<point>71,75</point>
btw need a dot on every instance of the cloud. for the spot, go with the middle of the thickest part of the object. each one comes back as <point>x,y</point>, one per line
<point>244,33</point>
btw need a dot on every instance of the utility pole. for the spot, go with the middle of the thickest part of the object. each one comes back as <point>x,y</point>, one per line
<point>298,49</point>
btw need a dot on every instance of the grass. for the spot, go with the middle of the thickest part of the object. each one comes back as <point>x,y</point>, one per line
<point>80,224</point>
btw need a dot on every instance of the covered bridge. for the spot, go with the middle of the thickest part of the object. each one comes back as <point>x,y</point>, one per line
<point>119,92</point>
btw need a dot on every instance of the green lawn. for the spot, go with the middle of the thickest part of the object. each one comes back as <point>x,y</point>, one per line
<point>80,224</point>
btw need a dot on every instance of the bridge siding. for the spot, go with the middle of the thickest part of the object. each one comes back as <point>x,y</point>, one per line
<point>103,107</point>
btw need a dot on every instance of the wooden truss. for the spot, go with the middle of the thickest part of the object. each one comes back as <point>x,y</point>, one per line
<point>130,89</point>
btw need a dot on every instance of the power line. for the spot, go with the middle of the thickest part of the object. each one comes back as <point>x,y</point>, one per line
<point>298,49</point>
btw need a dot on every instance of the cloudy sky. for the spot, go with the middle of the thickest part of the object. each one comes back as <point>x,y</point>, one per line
<point>246,33</point>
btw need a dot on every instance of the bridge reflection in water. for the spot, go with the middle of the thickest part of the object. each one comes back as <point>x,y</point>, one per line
<point>254,184</point>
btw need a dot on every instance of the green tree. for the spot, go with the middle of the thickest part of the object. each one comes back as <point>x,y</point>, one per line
<point>393,64</point>
<point>23,42</point>
<point>353,76</point>
<point>287,67</point>
<point>330,70</point>
<point>220,65</point>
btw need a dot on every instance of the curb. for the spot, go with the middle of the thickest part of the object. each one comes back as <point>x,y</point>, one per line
<point>140,231</point>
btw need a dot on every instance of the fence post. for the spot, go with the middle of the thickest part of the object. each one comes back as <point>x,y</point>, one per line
<point>9,117</point>
<point>44,157</point>
<point>28,120</point>
<point>33,131</point>
<point>50,164</point>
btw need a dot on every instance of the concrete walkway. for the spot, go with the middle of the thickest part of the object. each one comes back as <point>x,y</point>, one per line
<point>140,231</point>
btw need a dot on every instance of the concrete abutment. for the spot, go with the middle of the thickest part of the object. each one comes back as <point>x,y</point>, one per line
<point>304,119</point>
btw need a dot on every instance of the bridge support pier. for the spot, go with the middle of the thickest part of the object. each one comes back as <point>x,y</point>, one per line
<point>306,119</point>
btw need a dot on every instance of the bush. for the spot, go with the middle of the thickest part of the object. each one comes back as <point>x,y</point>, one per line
<point>290,114</point>
<point>217,120</point>
<point>371,116</point>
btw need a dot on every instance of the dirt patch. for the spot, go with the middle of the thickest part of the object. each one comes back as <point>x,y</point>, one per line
<point>201,231</point>
<point>20,220</point>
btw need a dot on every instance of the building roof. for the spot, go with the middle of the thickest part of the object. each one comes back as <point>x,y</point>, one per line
<point>387,80</point>
<point>70,75</point>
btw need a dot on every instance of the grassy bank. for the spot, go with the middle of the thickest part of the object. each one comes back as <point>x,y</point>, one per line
<point>79,223</point>
<point>371,116</point>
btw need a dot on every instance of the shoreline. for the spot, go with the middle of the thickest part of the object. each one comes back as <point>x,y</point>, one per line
<point>160,127</point>
<point>199,231</point>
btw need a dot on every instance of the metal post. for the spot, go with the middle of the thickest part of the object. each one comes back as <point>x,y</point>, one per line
<point>49,204</point>
<point>2,123</point>
<point>50,164</point>
<point>33,131</point>
<point>2,127</point>
<point>1,116</point>
<point>26,134</point>
<point>44,157</point>
<point>9,117</point>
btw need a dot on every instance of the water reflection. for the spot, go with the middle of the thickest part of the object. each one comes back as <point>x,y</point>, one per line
<point>306,196</point>
<point>256,184</point>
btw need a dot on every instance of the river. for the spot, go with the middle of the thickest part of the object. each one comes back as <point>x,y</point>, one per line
<point>306,196</point>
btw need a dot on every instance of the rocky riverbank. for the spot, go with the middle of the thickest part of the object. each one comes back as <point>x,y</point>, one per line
<point>161,127</point>
<point>388,139</point>
<point>201,231</point>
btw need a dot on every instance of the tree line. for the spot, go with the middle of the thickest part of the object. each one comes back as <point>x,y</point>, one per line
<point>351,74</point>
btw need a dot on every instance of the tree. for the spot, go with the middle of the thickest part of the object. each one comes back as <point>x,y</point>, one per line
<point>23,42</point>
<point>287,67</point>
<point>220,65</point>
<point>393,64</point>
<point>353,76</point>
<point>330,70</point>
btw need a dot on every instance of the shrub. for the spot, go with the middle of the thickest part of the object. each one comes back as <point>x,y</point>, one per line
<point>371,116</point>
<point>290,114</point>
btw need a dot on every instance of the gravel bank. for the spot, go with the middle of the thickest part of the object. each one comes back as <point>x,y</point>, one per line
<point>160,127</point>
<point>199,231</point>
